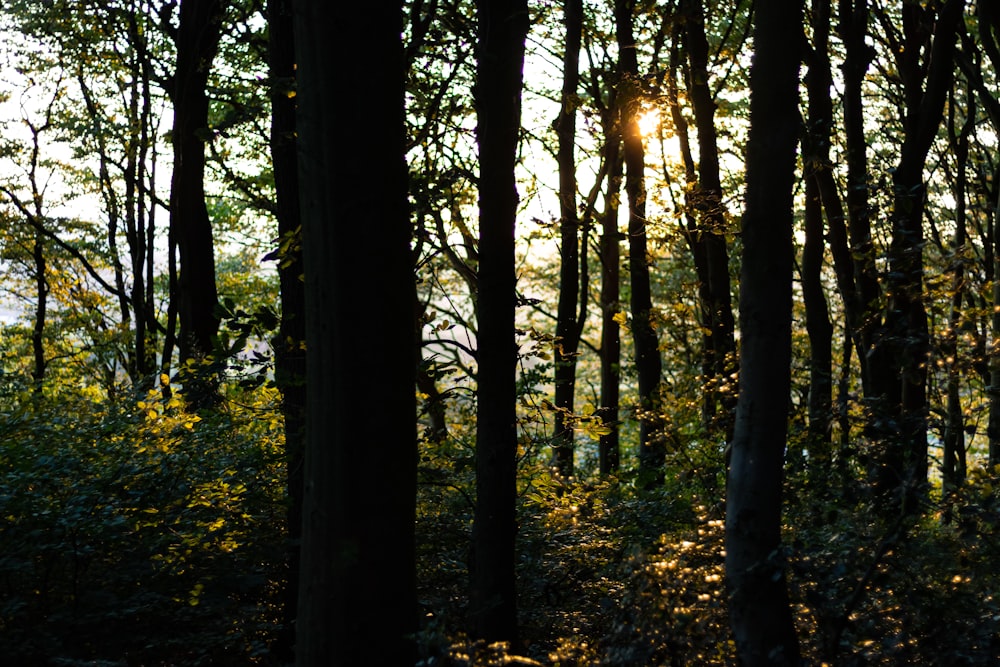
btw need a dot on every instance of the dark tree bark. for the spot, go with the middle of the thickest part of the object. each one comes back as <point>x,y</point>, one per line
<point>706,200</point>
<point>988,17</point>
<point>357,601</point>
<point>609,447</point>
<point>817,171</point>
<point>820,331</point>
<point>197,38</point>
<point>993,419</point>
<point>925,88</point>
<point>644,337</point>
<point>40,262</point>
<point>953,466</point>
<point>289,352</point>
<point>567,327</point>
<point>502,28</point>
<point>864,306</point>
<point>695,239</point>
<point>759,607</point>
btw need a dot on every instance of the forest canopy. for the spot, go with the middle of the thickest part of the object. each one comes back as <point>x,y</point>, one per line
<point>473,332</point>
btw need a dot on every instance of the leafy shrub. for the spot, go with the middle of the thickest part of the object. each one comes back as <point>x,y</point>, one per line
<point>139,532</point>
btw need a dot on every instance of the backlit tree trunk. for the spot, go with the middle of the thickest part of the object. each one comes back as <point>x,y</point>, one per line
<point>647,352</point>
<point>925,88</point>
<point>758,605</point>
<point>567,327</point>
<point>357,601</point>
<point>609,448</point>
<point>289,355</point>
<point>706,200</point>
<point>503,25</point>
<point>198,34</point>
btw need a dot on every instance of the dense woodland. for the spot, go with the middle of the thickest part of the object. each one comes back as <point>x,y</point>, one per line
<point>496,332</point>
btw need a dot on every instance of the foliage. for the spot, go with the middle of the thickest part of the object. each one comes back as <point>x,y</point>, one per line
<point>139,531</point>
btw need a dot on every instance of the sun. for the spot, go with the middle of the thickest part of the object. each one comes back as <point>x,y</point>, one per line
<point>649,122</point>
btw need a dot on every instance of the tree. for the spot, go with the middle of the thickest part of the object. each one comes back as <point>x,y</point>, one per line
<point>647,348</point>
<point>925,62</point>
<point>707,237</point>
<point>818,177</point>
<point>357,599</point>
<point>503,26</point>
<point>289,352</point>
<point>609,447</point>
<point>759,608</point>
<point>568,323</point>
<point>197,37</point>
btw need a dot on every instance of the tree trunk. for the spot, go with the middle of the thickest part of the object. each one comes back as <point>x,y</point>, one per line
<point>503,26</point>
<point>993,423</point>
<point>644,337</point>
<point>816,161</point>
<point>706,199</point>
<point>198,34</point>
<point>567,328</point>
<point>759,607</point>
<point>695,238</point>
<point>357,601</point>
<point>853,30</point>
<point>289,355</point>
<point>609,448</point>
<point>820,332</point>
<point>904,464</point>
<point>953,468</point>
<point>41,311</point>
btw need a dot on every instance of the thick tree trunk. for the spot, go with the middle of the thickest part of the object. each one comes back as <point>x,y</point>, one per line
<point>198,34</point>
<point>289,353</point>
<point>644,337</point>
<point>904,465</point>
<point>759,607</point>
<point>503,26</point>
<point>567,327</point>
<point>357,600</point>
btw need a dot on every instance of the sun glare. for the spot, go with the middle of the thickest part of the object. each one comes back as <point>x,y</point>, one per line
<point>649,122</point>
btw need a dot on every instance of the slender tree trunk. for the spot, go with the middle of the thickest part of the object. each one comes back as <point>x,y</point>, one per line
<point>567,328</point>
<point>41,311</point>
<point>706,199</point>
<point>993,423</point>
<point>503,26</point>
<point>644,337</point>
<point>198,34</point>
<point>853,30</point>
<point>609,448</point>
<point>953,443</point>
<point>142,234</point>
<point>820,332</point>
<point>815,149</point>
<point>289,355</point>
<point>357,600</point>
<point>759,607</point>
<point>695,237</point>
